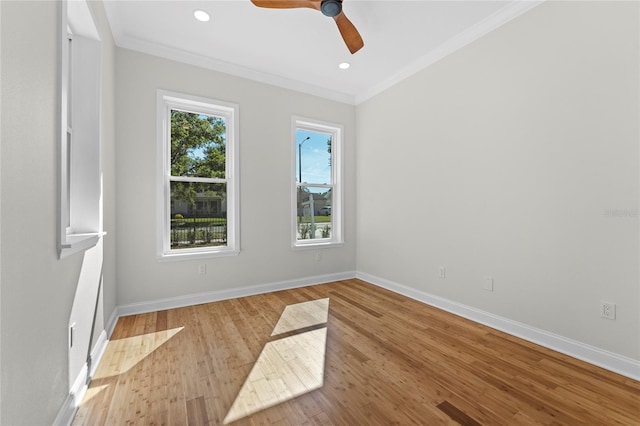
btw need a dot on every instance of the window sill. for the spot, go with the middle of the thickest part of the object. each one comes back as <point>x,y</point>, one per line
<point>318,245</point>
<point>177,257</point>
<point>75,243</point>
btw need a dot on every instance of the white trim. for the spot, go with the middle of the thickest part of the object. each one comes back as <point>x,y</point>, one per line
<point>337,174</point>
<point>81,19</point>
<point>178,55</point>
<point>602,358</point>
<point>79,175</point>
<point>512,10</point>
<point>197,254</point>
<point>608,360</point>
<point>79,242</point>
<point>218,295</point>
<point>167,101</point>
<point>98,351</point>
<point>79,388</point>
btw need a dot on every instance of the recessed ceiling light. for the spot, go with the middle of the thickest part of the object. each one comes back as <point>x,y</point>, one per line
<point>344,65</point>
<point>201,15</point>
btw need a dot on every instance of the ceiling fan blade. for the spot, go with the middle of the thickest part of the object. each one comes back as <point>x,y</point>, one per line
<point>287,4</point>
<point>350,34</point>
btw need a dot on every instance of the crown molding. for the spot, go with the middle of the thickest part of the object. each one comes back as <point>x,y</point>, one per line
<point>509,12</point>
<point>189,58</point>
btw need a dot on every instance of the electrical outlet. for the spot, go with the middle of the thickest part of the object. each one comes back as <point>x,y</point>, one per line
<point>442,272</point>
<point>72,328</point>
<point>608,310</point>
<point>202,269</point>
<point>318,256</point>
<point>488,283</point>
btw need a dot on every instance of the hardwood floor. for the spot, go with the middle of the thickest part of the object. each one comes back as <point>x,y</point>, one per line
<point>387,360</point>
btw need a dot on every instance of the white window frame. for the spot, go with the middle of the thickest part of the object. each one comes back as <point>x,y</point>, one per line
<point>80,176</point>
<point>166,101</point>
<point>337,208</point>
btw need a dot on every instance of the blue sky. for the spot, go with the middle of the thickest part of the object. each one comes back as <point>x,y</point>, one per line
<point>315,158</point>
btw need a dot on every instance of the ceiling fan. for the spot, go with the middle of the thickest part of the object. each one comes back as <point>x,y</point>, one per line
<point>330,8</point>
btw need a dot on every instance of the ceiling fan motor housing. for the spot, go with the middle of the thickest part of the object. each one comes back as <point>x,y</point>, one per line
<point>331,8</point>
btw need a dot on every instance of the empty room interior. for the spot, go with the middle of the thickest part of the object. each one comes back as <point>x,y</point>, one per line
<point>319,212</point>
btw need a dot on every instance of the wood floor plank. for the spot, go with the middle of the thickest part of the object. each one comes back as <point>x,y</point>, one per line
<point>456,414</point>
<point>388,359</point>
<point>197,412</point>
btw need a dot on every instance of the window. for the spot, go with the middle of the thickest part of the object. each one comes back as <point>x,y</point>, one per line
<point>197,177</point>
<point>317,189</point>
<point>80,184</point>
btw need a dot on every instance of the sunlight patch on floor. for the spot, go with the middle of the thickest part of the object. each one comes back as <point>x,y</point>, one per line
<point>302,315</point>
<point>93,392</point>
<point>123,354</point>
<point>288,367</point>
<point>285,369</point>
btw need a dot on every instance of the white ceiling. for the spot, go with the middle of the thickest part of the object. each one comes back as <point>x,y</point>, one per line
<point>301,48</point>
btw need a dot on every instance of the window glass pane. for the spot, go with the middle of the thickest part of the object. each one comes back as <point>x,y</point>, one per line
<point>198,215</point>
<point>314,213</point>
<point>313,157</point>
<point>198,143</point>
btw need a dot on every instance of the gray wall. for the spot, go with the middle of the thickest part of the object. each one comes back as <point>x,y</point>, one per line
<point>515,157</point>
<point>265,174</point>
<point>0,220</point>
<point>502,159</point>
<point>41,292</point>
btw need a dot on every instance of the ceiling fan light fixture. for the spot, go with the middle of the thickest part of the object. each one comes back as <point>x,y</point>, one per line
<point>331,8</point>
<point>344,65</point>
<point>201,15</point>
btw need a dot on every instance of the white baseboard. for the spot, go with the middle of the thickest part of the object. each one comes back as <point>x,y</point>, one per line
<point>80,385</point>
<point>217,295</point>
<point>608,360</point>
